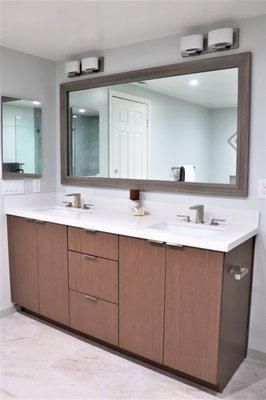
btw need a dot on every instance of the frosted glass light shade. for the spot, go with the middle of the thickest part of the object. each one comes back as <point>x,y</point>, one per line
<point>72,67</point>
<point>90,64</point>
<point>191,44</point>
<point>220,38</point>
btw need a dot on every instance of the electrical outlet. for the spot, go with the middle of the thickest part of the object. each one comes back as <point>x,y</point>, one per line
<point>262,189</point>
<point>36,185</point>
<point>12,187</point>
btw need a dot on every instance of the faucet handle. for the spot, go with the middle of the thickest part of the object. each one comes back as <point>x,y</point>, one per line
<point>72,194</point>
<point>68,203</point>
<point>87,206</point>
<point>197,207</point>
<point>186,217</point>
<point>215,221</point>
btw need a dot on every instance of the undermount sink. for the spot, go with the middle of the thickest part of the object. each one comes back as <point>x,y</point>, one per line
<point>171,227</point>
<point>62,211</point>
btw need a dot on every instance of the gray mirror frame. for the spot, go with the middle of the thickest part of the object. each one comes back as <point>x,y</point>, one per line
<point>12,175</point>
<point>242,61</point>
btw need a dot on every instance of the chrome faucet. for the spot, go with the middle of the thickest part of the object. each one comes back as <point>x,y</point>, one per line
<point>77,199</point>
<point>199,213</point>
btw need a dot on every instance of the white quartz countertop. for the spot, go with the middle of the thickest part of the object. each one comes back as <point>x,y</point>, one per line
<point>223,238</point>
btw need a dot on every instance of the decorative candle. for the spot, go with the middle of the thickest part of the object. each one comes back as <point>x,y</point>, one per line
<point>134,194</point>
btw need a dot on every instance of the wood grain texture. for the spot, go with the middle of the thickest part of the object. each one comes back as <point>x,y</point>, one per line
<point>141,297</point>
<point>192,311</point>
<point>98,319</point>
<point>242,61</point>
<point>96,243</point>
<point>53,271</point>
<point>23,262</point>
<point>97,277</point>
<point>235,312</point>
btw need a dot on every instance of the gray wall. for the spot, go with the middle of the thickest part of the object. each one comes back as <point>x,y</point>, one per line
<point>166,51</point>
<point>223,124</point>
<point>28,77</point>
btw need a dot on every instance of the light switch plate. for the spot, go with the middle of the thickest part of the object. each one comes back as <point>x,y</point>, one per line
<point>262,189</point>
<point>36,185</point>
<point>12,187</point>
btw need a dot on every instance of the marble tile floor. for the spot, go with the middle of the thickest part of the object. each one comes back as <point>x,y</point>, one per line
<point>39,361</point>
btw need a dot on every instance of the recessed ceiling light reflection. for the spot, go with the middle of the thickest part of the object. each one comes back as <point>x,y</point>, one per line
<point>82,110</point>
<point>75,116</point>
<point>36,103</point>
<point>193,82</point>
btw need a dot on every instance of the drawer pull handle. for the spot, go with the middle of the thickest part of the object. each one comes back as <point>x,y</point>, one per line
<point>156,242</point>
<point>238,272</point>
<point>29,219</point>
<point>90,230</point>
<point>38,221</point>
<point>174,244</point>
<point>91,258</point>
<point>91,298</point>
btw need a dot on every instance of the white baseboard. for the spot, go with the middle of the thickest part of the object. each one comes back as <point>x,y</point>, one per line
<point>256,355</point>
<point>7,311</point>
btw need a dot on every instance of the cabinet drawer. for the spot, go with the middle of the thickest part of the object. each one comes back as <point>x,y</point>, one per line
<point>94,276</point>
<point>95,317</point>
<point>93,242</point>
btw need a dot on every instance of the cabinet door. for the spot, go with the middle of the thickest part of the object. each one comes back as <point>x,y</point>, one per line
<point>141,297</point>
<point>53,271</point>
<point>192,311</point>
<point>23,262</point>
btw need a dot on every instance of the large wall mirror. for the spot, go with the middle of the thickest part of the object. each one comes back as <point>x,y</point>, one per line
<point>183,127</point>
<point>21,138</point>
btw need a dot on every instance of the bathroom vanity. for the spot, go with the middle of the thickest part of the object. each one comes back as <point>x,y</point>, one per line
<point>176,294</point>
<point>172,303</point>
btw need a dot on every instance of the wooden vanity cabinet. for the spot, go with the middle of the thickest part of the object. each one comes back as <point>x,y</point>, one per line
<point>184,307</point>
<point>181,308</point>
<point>23,262</point>
<point>93,283</point>
<point>207,311</point>
<point>52,271</point>
<point>141,297</point>
<point>38,267</point>
<point>193,293</point>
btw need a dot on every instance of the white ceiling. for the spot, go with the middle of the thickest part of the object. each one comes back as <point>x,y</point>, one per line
<point>215,89</point>
<point>58,29</point>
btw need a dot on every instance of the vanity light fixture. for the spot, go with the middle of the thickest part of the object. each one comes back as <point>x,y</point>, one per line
<point>86,66</point>
<point>72,68</point>
<point>81,110</point>
<point>220,39</point>
<point>36,103</point>
<point>216,40</point>
<point>191,45</point>
<point>193,82</point>
<point>90,64</point>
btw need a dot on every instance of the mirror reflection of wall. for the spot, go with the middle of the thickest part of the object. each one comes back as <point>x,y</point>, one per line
<point>150,129</point>
<point>22,130</point>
